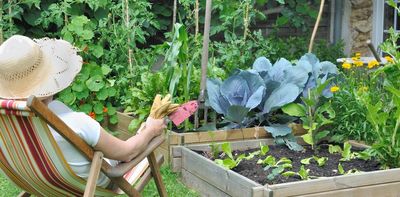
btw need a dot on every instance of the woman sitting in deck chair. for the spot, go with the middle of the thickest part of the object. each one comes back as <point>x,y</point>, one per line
<point>45,67</point>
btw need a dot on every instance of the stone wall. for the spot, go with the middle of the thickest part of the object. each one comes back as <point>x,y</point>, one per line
<point>361,25</point>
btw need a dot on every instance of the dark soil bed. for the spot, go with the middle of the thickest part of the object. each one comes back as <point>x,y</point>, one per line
<point>256,172</point>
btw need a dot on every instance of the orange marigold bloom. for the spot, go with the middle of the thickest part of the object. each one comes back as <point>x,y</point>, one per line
<point>105,109</point>
<point>389,59</point>
<point>92,115</point>
<point>372,64</point>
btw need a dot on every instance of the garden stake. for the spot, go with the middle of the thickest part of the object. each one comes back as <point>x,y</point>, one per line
<point>321,9</point>
<point>204,62</point>
<point>1,19</point>
<point>372,48</point>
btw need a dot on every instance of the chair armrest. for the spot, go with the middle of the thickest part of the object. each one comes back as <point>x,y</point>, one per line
<point>122,168</point>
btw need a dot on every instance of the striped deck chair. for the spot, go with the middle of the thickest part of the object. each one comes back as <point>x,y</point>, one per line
<point>30,157</point>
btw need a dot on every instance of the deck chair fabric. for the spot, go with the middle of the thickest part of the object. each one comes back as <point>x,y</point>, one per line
<point>31,158</point>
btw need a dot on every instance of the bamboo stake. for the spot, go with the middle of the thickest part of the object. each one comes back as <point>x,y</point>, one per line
<point>196,16</point>
<point>321,10</point>
<point>204,60</point>
<point>1,19</point>
<point>246,21</point>
<point>174,14</point>
<point>129,38</point>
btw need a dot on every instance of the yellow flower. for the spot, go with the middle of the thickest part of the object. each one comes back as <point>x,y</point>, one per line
<point>389,59</point>
<point>372,64</point>
<point>364,88</point>
<point>358,63</point>
<point>334,89</point>
<point>358,54</point>
<point>346,65</point>
<point>355,58</point>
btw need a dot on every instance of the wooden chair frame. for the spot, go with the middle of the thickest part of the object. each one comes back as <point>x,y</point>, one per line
<point>98,163</point>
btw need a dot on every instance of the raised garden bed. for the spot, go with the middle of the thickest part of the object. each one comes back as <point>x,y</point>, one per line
<point>189,138</point>
<point>211,179</point>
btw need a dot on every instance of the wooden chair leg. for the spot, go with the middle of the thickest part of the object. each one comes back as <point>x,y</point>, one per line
<point>125,186</point>
<point>155,172</point>
<point>93,174</point>
<point>24,194</point>
<point>147,175</point>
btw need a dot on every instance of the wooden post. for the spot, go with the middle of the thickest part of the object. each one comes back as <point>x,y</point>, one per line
<point>204,58</point>
<point>372,48</point>
<point>174,14</point>
<point>196,16</point>
<point>127,20</point>
<point>321,10</point>
<point>1,19</point>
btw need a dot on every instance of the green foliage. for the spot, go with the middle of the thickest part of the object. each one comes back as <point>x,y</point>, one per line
<point>321,161</point>
<point>314,114</point>
<point>334,149</point>
<point>383,112</point>
<point>277,166</point>
<point>229,162</point>
<point>302,173</point>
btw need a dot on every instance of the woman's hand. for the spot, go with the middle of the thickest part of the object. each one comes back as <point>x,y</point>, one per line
<point>155,126</point>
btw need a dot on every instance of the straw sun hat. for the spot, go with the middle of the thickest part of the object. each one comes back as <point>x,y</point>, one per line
<point>39,67</point>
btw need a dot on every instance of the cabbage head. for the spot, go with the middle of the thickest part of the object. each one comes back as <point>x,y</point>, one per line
<point>237,95</point>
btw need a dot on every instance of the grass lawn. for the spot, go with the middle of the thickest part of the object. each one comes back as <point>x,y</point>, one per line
<point>173,186</point>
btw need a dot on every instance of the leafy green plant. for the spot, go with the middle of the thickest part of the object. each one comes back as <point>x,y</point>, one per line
<point>383,113</point>
<point>343,172</point>
<point>282,134</point>
<point>231,161</point>
<point>321,161</point>
<point>302,173</point>
<point>277,166</point>
<point>332,149</point>
<point>313,114</point>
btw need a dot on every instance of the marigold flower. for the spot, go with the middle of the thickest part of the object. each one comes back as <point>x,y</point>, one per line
<point>105,109</point>
<point>358,63</point>
<point>346,65</point>
<point>334,89</point>
<point>389,59</point>
<point>358,54</point>
<point>372,64</point>
<point>92,115</point>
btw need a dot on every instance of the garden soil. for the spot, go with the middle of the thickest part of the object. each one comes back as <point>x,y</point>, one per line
<point>256,172</point>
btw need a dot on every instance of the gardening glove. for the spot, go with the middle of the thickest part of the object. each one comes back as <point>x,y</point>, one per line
<point>162,107</point>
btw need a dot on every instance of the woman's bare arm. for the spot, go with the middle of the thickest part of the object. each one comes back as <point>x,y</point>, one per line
<point>114,148</point>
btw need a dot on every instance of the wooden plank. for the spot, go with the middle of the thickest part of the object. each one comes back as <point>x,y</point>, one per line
<point>225,180</point>
<point>176,151</point>
<point>93,174</point>
<point>236,145</point>
<point>164,153</point>
<point>174,138</point>
<point>123,122</point>
<point>335,183</point>
<point>255,133</point>
<point>382,190</point>
<point>176,164</point>
<point>201,186</point>
<point>258,192</point>
<point>165,145</point>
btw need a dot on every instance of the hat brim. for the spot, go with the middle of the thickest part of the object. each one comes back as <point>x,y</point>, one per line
<point>63,63</point>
